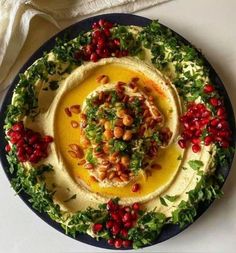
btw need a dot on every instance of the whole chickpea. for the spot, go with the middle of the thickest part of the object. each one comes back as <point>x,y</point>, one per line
<point>118,132</point>
<point>84,141</point>
<point>108,134</point>
<point>125,161</point>
<point>127,120</point>
<point>120,113</point>
<point>127,135</point>
<point>107,125</point>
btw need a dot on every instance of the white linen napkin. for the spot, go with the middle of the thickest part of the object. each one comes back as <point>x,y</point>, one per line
<point>16,16</point>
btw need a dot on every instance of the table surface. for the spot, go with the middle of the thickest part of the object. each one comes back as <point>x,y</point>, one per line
<point>209,25</point>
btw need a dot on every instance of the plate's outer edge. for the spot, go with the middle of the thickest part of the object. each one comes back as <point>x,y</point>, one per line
<point>73,31</point>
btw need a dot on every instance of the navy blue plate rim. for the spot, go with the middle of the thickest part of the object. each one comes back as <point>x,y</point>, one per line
<point>72,31</point>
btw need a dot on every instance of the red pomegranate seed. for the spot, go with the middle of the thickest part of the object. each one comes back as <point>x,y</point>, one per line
<point>115,216</point>
<point>48,138</point>
<point>107,32</point>
<point>221,111</point>
<point>116,42</point>
<point>214,122</point>
<point>195,140</point>
<point>111,241</point>
<point>208,140</point>
<point>101,22</point>
<point>97,227</point>
<point>109,224</point>
<point>182,143</point>
<point>111,206</point>
<point>196,148</point>
<point>214,101</point>
<point>135,187</point>
<point>224,144</point>
<point>115,229</point>
<point>89,49</point>
<point>18,126</point>
<point>124,233</point>
<point>136,206</point>
<point>127,243</point>
<point>127,217</point>
<point>208,88</point>
<point>128,224</point>
<point>118,243</point>
<point>134,216</point>
<point>94,57</point>
<point>95,25</point>
<point>7,148</point>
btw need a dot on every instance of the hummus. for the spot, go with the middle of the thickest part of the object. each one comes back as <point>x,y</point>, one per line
<point>167,174</point>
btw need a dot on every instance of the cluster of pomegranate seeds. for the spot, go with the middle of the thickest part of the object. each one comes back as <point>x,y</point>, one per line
<point>200,124</point>
<point>121,219</point>
<point>30,145</point>
<point>102,44</point>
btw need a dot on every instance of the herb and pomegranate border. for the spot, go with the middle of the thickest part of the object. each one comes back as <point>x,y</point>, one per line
<point>137,228</point>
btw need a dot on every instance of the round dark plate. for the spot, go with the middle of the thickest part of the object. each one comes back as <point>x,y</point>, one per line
<point>73,31</point>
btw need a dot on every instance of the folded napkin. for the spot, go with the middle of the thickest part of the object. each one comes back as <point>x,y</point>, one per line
<point>16,16</point>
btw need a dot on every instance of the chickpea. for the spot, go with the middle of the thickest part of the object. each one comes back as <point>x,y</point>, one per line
<point>107,125</point>
<point>125,161</point>
<point>127,135</point>
<point>108,134</point>
<point>127,120</point>
<point>120,113</point>
<point>118,132</point>
<point>84,141</point>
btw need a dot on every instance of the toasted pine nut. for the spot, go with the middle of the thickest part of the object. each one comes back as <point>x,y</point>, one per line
<point>74,124</point>
<point>81,162</point>
<point>75,109</point>
<point>68,112</point>
<point>72,154</point>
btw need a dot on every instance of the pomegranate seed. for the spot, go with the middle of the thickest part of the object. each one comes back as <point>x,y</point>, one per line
<point>7,148</point>
<point>101,22</point>
<point>111,241</point>
<point>118,243</point>
<point>136,206</point>
<point>116,216</point>
<point>224,144</point>
<point>196,148</point>
<point>109,224</point>
<point>48,138</point>
<point>116,42</point>
<point>107,32</point>
<point>221,111</point>
<point>135,187</point>
<point>95,25</point>
<point>115,229</point>
<point>111,206</point>
<point>128,224</point>
<point>127,243</point>
<point>195,140</point>
<point>208,140</point>
<point>34,139</point>
<point>96,34</point>
<point>134,216</point>
<point>214,122</point>
<point>182,143</point>
<point>124,233</point>
<point>208,88</point>
<point>214,101</point>
<point>94,57</point>
<point>97,227</point>
<point>18,126</point>
<point>127,217</point>
<point>89,49</point>
<point>127,209</point>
